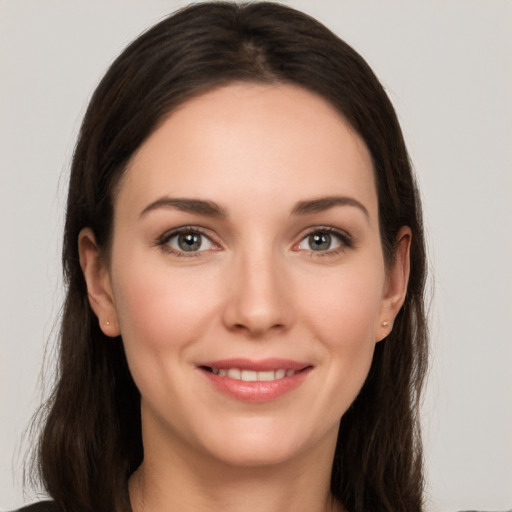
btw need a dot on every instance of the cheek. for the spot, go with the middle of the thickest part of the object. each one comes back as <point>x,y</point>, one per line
<point>345,309</point>
<point>161,308</point>
<point>161,314</point>
<point>345,323</point>
<point>339,309</point>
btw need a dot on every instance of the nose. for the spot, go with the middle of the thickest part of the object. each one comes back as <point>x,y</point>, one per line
<point>258,301</point>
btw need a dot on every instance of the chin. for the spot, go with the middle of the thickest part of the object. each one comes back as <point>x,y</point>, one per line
<point>263,446</point>
<point>257,456</point>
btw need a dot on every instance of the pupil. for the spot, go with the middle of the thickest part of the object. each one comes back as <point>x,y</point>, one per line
<point>189,242</point>
<point>320,241</point>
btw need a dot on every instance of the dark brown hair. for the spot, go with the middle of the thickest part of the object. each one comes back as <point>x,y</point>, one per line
<point>91,442</point>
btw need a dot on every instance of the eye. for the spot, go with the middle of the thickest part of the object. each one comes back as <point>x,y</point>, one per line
<point>323,240</point>
<point>187,241</point>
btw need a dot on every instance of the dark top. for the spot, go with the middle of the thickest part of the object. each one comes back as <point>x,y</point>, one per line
<point>48,506</point>
<point>42,506</point>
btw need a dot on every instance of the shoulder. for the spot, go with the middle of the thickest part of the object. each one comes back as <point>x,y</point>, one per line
<point>41,506</point>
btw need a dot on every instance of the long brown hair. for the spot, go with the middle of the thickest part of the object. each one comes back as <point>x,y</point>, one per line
<point>91,442</point>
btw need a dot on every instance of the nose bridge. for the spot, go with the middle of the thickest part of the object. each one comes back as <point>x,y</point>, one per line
<point>258,301</point>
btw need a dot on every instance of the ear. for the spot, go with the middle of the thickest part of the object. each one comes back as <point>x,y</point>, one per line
<point>395,287</point>
<point>97,278</point>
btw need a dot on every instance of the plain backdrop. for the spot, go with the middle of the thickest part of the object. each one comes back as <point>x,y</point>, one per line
<point>447,67</point>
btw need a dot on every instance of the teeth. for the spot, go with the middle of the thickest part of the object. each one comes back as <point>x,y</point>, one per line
<point>249,376</point>
<point>280,374</point>
<point>234,373</point>
<point>265,376</point>
<point>252,376</point>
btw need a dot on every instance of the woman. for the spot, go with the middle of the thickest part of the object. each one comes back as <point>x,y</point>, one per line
<point>243,250</point>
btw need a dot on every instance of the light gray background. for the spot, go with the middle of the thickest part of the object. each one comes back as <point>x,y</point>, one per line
<point>448,69</point>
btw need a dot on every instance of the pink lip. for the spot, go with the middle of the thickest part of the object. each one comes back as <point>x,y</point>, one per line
<point>262,365</point>
<point>260,391</point>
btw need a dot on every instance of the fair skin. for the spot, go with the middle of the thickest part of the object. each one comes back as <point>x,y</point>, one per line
<point>246,237</point>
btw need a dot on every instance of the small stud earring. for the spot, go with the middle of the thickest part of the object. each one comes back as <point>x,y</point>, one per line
<point>107,323</point>
<point>385,323</point>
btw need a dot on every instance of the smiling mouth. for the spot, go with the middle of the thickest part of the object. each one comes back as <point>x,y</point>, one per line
<point>253,376</point>
<point>255,381</point>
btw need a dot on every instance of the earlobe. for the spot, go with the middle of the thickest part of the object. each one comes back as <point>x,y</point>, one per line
<point>97,279</point>
<point>396,284</point>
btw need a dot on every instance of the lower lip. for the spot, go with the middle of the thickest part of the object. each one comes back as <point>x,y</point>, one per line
<point>258,391</point>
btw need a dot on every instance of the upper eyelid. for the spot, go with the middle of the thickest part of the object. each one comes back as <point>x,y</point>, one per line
<point>171,233</point>
<point>185,229</point>
<point>329,229</point>
<point>344,235</point>
<point>346,239</point>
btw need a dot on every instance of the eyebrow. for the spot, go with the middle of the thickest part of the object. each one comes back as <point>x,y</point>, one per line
<point>212,209</point>
<point>325,203</point>
<point>199,206</point>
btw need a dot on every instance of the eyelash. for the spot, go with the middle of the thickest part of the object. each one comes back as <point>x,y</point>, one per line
<point>163,241</point>
<point>344,239</point>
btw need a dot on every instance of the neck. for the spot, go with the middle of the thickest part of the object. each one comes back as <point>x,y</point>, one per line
<point>255,494</point>
<point>169,482</point>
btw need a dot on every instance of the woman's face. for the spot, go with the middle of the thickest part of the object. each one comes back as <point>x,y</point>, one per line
<point>246,275</point>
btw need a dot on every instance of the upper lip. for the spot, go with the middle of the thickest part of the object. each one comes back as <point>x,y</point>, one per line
<point>258,365</point>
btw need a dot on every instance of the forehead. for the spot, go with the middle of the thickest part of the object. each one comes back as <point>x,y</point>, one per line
<point>260,140</point>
